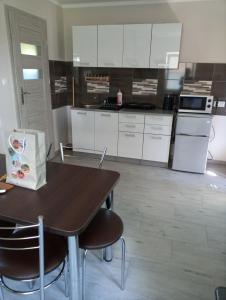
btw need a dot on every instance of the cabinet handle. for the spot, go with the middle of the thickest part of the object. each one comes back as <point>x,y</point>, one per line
<point>105,115</point>
<point>131,116</point>
<point>156,137</point>
<point>108,64</point>
<point>130,134</point>
<point>84,63</point>
<point>131,126</point>
<point>157,127</point>
<point>82,113</point>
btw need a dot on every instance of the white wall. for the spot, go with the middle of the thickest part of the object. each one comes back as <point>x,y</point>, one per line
<point>204,24</point>
<point>217,147</point>
<point>53,15</point>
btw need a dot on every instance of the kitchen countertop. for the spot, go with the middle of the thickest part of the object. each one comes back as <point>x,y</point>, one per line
<point>127,110</point>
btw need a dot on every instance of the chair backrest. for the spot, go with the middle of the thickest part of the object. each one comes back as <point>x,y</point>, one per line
<point>62,152</point>
<point>102,158</point>
<point>40,245</point>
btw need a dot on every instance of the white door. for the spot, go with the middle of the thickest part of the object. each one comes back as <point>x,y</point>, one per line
<point>137,43</point>
<point>30,62</point>
<point>190,153</point>
<point>110,45</point>
<point>165,46</point>
<point>130,145</point>
<point>106,132</point>
<point>85,46</point>
<point>193,124</point>
<point>82,130</point>
<point>156,147</point>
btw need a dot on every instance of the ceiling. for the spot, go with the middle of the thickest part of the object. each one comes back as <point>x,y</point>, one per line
<point>87,3</point>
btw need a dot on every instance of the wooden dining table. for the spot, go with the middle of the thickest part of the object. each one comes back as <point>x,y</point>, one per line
<point>68,202</point>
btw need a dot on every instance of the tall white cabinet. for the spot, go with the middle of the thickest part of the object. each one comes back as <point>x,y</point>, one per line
<point>110,45</point>
<point>85,46</point>
<point>165,45</point>
<point>136,46</point>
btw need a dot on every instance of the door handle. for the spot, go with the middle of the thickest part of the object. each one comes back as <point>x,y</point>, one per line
<point>22,95</point>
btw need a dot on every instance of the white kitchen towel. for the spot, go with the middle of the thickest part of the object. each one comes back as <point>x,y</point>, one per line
<point>26,158</point>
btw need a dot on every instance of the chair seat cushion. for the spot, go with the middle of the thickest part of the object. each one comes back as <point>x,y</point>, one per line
<point>24,264</point>
<point>104,230</point>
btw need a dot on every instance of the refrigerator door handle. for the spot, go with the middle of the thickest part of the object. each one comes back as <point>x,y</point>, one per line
<point>185,134</point>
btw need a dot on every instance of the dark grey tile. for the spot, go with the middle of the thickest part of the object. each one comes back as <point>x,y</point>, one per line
<point>219,89</point>
<point>166,87</point>
<point>145,74</point>
<point>177,74</point>
<point>199,71</point>
<point>219,73</point>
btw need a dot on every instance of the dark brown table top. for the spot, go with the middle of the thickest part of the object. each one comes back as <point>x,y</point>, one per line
<point>68,202</point>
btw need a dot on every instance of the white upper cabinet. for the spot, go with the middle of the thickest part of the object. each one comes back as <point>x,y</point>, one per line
<point>85,46</point>
<point>165,46</point>
<point>110,45</point>
<point>137,43</point>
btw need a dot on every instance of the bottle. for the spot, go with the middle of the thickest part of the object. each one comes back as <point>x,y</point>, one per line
<point>119,98</point>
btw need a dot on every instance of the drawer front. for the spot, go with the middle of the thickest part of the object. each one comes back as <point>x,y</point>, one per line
<point>159,119</point>
<point>131,118</point>
<point>131,127</point>
<point>130,145</point>
<point>157,129</point>
<point>156,148</point>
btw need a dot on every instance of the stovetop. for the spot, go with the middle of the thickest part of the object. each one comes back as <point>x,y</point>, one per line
<point>132,105</point>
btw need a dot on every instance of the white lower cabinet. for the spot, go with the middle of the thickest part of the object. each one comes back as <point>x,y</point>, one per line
<point>82,130</point>
<point>127,135</point>
<point>130,145</point>
<point>156,147</point>
<point>106,132</point>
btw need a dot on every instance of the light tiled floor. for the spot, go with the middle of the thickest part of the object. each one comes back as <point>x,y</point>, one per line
<point>175,228</point>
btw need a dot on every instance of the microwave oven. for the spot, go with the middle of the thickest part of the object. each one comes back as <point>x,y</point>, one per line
<point>195,104</point>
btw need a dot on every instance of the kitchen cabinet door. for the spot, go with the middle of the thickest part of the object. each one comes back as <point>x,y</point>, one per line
<point>130,145</point>
<point>82,130</point>
<point>165,45</point>
<point>110,45</point>
<point>137,42</point>
<point>106,132</point>
<point>85,46</point>
<point>156,148</point>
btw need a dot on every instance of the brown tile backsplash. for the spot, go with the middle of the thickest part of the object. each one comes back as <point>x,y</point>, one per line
<point>61,74</point>
<point>168,82</point>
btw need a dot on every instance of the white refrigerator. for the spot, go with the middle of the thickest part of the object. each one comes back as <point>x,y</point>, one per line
<point>191,142</point>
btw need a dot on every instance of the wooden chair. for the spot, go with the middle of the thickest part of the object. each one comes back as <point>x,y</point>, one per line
<point>103,231</point>
<point>29,254</point>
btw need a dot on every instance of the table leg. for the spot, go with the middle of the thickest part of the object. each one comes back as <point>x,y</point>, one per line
<point>108,252</point>
<point>73,257</point>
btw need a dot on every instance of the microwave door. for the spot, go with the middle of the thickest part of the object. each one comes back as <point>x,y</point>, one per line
<point>192,103</point>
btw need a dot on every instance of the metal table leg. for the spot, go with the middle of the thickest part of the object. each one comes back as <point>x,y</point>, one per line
<point>108,252</point>
<point>73,257</point>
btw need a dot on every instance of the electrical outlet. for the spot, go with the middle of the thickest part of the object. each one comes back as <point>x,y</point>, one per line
<point>221,104</point>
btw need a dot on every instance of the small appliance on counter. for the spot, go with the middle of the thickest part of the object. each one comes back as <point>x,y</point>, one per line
<point>201,104</point>
<point>170,102</point>
<point>111,104</point>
